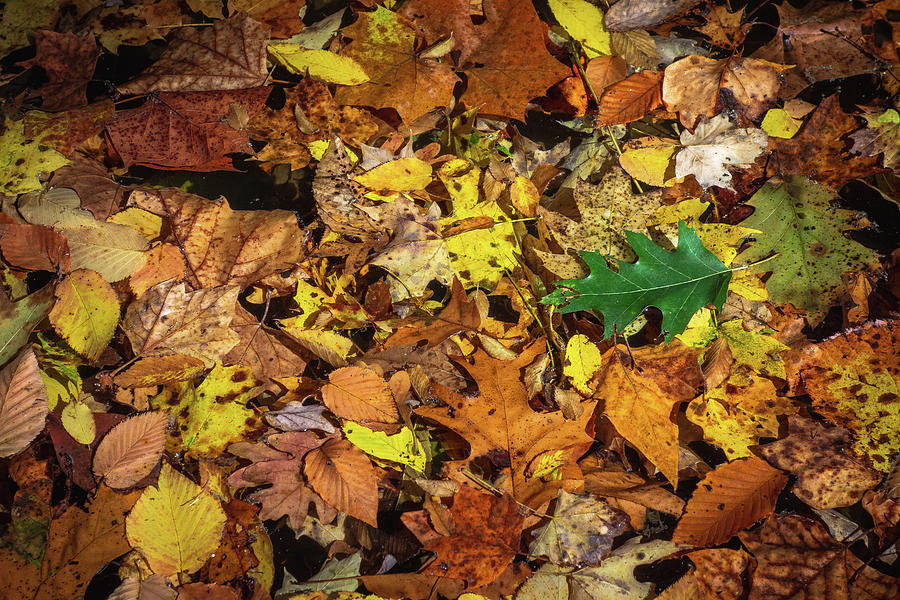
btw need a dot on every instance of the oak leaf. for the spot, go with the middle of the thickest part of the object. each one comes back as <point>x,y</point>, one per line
<point>500,420</point>
<point>730,498</point>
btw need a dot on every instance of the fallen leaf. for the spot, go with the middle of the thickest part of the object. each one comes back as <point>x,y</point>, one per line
<point>230,55</point>
<point>730,498</point>
<point>175,524</point>
<point>715,146</point>
<point>343,476</point>
<point>131,449</point>
<point>23,403</point>
<point>86,312</point>
<point>828,476</point>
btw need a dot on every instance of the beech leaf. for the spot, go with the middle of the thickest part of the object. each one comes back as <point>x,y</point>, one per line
<point>131,450</point>
<point>23,404</point>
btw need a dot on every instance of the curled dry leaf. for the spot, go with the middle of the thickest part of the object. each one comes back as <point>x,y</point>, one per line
<point>23,403</point>
<point>131,449</point>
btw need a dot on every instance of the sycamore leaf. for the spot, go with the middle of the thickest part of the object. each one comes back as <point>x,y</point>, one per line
<point>131,450</point>
<point>175,524</point>
<point>318,64</point>
<point>23,404</point>
<point>86,312</point>
<point>715,146</point>
<point>581,531</point>
<point>678,283</point>
<point>223,246</point>
<point>730,498</point>
<point>344,477</point>
<point>167,319</point>
<point>230,55</point>
<point>799,223</point>
<point>360,394</point>
<point>641,411</point>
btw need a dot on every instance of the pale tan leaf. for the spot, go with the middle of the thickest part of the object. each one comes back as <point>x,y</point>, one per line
<point>343,476</point>
<point>23,403</point>
<point>170,320</point>
<point>131,449</point>
<point>360,394</point>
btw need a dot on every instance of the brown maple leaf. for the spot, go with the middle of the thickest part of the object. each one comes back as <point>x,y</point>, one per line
<point>819,150</point>
<point>230,55</point>
<point>499,422</point>
<point>68,60</point>
<point>484,538</point>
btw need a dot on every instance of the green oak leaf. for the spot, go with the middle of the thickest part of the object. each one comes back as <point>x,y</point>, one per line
<point>678,283</point>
